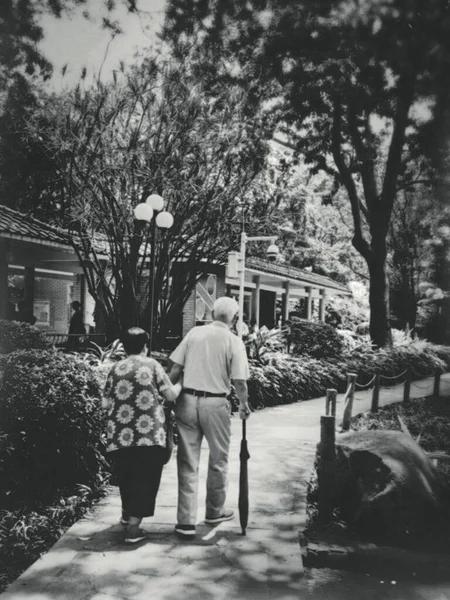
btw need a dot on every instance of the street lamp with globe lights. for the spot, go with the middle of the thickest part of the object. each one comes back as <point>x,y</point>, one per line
<point>145,211</point>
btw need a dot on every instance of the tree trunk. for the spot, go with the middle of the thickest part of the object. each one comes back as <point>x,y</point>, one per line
<point>380,331</point>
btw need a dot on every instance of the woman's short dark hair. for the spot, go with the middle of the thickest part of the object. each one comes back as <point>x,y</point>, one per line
<point>134,340</point>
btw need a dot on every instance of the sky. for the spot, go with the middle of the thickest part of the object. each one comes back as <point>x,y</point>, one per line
<point>79,43</point>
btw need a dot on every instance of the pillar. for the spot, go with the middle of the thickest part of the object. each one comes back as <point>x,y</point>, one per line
<point>323,298</point>
<point>256,299</point>
<point>285,302</point>
<point>309,301</point>
<point>3,280</point>
<point>29,290</point>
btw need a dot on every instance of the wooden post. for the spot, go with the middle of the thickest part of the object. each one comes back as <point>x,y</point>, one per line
<point>376,394</point>
<point>407,388</point>
<point>326,468</point>
<point>331,400</point>
<point>437,382</point>
<point>348,401</point>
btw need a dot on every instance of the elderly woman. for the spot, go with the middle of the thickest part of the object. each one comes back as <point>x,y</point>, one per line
<point>136,431</point>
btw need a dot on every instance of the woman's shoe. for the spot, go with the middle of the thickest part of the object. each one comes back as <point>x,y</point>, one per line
<point>135,535</point>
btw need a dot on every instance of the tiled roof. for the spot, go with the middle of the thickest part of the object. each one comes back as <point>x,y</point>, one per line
<point>296,274</point>
<point>17,225</point>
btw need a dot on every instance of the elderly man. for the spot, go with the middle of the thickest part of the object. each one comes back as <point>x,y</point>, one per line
<point>207,359</point>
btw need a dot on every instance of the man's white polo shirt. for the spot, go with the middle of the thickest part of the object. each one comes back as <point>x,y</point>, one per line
<point>211,356</point>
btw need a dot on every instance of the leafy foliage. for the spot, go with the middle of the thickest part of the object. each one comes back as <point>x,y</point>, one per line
<point>113,352</point>
<point>286,379</point>
<point>15,335</point>
<point>318,340</point>
<point>156,129</point>
<point>349,312</point>
<point>21,31</point>
<point>346,81</point>
<point>26,534</point>
<point>51,424</point>
<point>265,342</point>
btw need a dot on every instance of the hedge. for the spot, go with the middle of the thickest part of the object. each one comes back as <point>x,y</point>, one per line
<point>51,426</point>
<point>15,335</point>
<point>317,340</point>
<point>287,379</point>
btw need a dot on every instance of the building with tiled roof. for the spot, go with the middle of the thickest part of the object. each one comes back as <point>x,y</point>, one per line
<point>38,265</point>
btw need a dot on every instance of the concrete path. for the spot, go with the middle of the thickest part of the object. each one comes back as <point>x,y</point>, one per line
<point>90,563</point>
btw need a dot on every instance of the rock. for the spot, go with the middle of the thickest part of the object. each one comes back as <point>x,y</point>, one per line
<point>385,480</point>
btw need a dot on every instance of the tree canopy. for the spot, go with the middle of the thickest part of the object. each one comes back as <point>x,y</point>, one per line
<point>153,130</point>
<point>21,31</point>
<point>354,86</point>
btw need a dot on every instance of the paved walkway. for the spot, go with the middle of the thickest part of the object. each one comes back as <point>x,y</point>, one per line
<point>90,563</point>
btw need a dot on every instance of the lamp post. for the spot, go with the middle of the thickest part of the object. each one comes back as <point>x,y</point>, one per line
<point>272,252</point>
<point>145,211</point>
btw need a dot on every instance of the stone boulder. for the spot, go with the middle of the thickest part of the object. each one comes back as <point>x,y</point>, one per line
<point>386,482</point>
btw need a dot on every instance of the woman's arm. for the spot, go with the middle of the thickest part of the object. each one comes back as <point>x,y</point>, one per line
<point>172,393</point>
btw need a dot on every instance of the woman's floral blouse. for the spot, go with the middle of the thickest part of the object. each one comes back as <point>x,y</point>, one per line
<point>135,416</point>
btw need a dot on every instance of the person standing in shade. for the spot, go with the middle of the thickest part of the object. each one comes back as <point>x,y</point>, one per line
<point>136,430</point>
<point>208,358</point>
<point>76,326</point>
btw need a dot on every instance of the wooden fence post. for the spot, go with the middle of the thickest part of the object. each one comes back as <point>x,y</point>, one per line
<point>407,388</point>
<point>331,401</point>
<point>376,394</point>
<point>348,407</point>
<point>437,382</point>
<point>326,468</point>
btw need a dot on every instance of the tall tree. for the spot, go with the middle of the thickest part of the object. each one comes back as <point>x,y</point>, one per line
<point>355,81</point>
<point>21,31</point>
<point>154,130</point>
<point>411,253</point>
<point>27,172</point>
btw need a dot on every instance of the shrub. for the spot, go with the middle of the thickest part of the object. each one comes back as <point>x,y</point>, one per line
<point>21,336</point>
<point>265,342</point>
<point>349,312</point>
<point>51,423</point>
<point>26,534</point>
<point>287,379</point>
<point>317,340</point>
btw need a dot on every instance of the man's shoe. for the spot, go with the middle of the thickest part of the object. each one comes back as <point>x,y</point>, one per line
<point>133,536</point>
<point>187,531</point>
<point>227,515</point>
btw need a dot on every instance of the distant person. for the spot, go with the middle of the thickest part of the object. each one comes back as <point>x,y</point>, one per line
<point>13,315</point>
<point>208,358</point>
<point>136,430</point>
<point>25,314</point>
<point>76,327</point>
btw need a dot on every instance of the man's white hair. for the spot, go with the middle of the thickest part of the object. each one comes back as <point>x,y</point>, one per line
<point>225,309</point>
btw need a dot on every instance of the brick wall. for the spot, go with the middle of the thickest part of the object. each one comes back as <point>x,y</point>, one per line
<point>189,313</point>
<point>56,291</point>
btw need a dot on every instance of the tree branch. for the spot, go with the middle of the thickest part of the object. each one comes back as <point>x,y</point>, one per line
<point>359,242</point>
<point>405,98</point>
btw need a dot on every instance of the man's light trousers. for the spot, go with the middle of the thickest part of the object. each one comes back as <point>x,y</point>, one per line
<point>198,417</point>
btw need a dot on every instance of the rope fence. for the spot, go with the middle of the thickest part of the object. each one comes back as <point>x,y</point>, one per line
<point>373,387</point>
